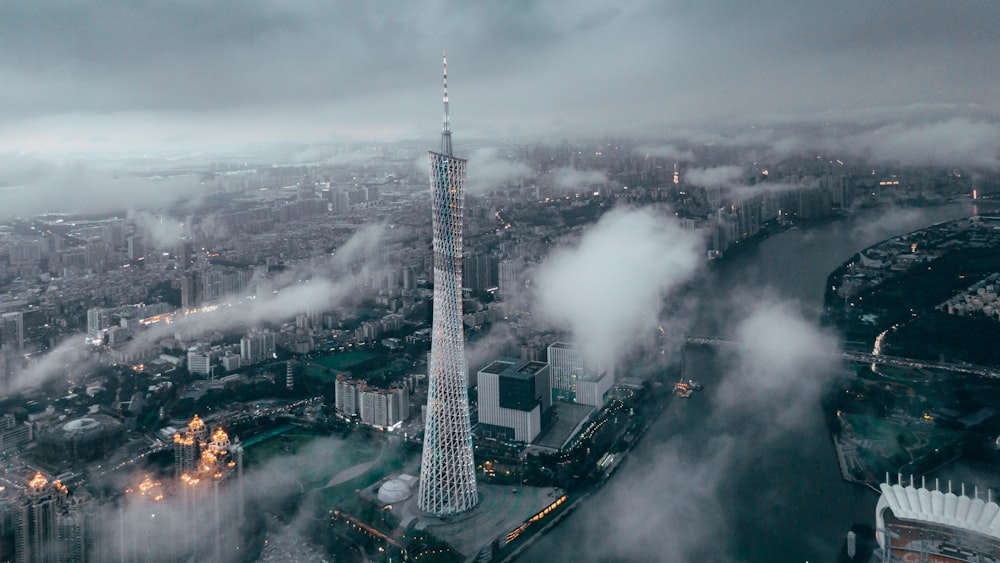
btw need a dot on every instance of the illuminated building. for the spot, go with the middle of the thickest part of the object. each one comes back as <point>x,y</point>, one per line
<point>141,520</point>
<point>918,524</point>
<point>220,461</point>
<point>188,446</point>
<point>513,398</point>
<point>573,380</point>
<point>48,523</point>
<point>447,472</point>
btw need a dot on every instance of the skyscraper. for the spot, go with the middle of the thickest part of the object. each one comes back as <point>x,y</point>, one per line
<point>48,527</point>
<point>447,471</point>
<point>12,332</point>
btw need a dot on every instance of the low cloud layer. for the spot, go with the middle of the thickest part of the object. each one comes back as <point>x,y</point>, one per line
<point>955,142</point>
<point>607,288</point>
<point>715,177</point>
<point>781,361</point>
<point>323,285</point>
<point>681,498</point>
<point>567,178</point>
<point>30,186</point>
<point>489,170</point>
<point>670,152</point>
<point>175,527</point>
<point>68,359</point>
<point>138,75</point>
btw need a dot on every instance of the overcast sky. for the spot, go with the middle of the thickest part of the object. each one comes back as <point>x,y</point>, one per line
<point>122,76</point>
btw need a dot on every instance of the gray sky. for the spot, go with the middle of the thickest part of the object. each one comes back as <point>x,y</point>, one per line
<point>124,76</point>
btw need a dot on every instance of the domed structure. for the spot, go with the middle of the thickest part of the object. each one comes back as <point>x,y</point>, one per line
<point>81,425</point>
<point>87,437</point>
<point>393,491</point>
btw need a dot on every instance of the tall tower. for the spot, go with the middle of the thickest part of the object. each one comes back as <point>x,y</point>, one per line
<point>447,471</point>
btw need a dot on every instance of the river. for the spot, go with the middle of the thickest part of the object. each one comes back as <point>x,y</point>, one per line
<point>707,485</point>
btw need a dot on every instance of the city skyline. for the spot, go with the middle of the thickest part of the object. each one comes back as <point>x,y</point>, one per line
<point>213,224</point>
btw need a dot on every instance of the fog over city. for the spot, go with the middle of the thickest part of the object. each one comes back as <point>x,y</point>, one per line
<point>261,169</point>
<point>125,77</point>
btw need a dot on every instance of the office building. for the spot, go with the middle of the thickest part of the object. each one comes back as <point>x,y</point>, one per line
<point>574,380</point>
<point>12,332</point>
<point>199,361</point>
<point>12,433</point>
<point>513,399</point>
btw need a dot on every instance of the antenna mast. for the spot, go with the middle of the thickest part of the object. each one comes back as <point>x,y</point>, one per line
<point>446,130</point>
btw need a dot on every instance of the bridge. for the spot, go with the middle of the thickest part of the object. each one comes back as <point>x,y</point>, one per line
<point>868,358</point>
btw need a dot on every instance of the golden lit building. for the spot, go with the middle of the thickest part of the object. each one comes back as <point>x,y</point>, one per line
<point>188,446</point>
<point>220,461</point>
<point>49,525</point>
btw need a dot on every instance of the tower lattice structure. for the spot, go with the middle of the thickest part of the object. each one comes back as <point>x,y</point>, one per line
<point>447,470</point>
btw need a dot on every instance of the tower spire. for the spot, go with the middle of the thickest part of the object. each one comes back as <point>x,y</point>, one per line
<point>446,130</point>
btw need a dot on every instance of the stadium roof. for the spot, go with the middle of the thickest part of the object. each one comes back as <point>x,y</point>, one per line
<point>947,509</point>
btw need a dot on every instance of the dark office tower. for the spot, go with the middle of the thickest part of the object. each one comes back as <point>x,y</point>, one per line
<point>447,472</point>
<point>12,332</point>
<point>136,247</point>
<point>185,255</point>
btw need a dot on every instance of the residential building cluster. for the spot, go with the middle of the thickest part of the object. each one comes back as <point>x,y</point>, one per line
<point>980,299</point>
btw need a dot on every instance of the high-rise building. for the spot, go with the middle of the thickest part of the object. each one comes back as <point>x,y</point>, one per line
<point>199,361</point>
<point>347,394</point>
<point>256,347</point>
<point>513,399</point>
<point>48,527</point>
<point>188,446</point>
<point>447,471</point>
<point>384,407</point>
<point>97,320</point>
<point>12,332</point>
<point>573,380</point>
<point>136,247</point>
<point>220,461</point>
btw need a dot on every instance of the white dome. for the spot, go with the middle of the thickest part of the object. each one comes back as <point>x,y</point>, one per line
<point>393,491</point>
<point>81,424</point>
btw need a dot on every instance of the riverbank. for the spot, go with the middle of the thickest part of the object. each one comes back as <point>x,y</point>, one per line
<point>713,486</point>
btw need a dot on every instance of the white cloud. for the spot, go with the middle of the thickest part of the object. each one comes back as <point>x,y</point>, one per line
<point>714,177</point>
<point>567,178</point>
<point>607,288</point>
<point>487,170</point>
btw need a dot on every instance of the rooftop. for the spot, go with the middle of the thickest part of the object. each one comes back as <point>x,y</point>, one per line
<point>971,514</point>
<point>513,367</point>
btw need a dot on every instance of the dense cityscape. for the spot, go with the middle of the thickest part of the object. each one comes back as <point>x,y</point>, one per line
<point>748,342</point>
